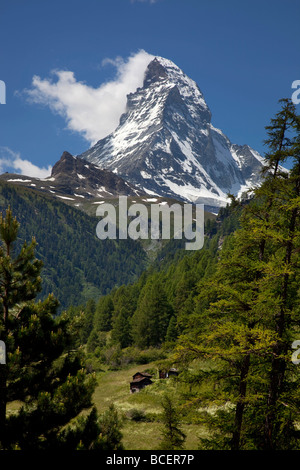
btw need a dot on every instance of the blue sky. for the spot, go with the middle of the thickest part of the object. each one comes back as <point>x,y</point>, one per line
<point>244,55</point>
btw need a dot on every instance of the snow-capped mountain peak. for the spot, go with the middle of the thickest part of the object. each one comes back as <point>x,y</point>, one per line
<point>165,70</point>
<point>166,145</point>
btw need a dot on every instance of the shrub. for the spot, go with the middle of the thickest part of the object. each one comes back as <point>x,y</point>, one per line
<point>136,415</point>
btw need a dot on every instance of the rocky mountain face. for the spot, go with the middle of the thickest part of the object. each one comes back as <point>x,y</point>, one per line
<point>74,180</point>
<point>76,176</point>
<point>166,145</point>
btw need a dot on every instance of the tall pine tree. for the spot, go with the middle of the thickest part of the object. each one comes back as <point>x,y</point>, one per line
<point>249,311</point>
<point>43,371</point>
<point>152,316</point>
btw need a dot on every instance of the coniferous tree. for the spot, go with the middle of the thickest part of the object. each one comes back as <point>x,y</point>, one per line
<point>89,313</point>
<point>121,333</point>
<point>110,435</point>
<point>104,314</point>
<point>93,341</point>
<point>94,432</point>
<point>279,422</point>
<point>172,330</point>
<point>173,437</point>
<point>43,371</point>
<point>249,311</point>
<point>19,281</point>
<point>151,318</point>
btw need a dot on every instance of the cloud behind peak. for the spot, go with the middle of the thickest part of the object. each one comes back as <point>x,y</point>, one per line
<point>92,112</point>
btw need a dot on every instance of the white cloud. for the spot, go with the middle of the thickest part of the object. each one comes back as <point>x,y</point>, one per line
<point>93,112</point>
<point>12,162</point>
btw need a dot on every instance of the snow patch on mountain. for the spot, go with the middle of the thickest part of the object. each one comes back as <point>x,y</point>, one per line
<point>166,145</point>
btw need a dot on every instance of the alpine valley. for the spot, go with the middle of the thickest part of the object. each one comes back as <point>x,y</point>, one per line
<point>154,346</point>
<point>164,150</point>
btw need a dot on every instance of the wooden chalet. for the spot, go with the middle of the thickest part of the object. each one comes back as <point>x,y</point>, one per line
<point>140,381</point>
<point>165,374</point>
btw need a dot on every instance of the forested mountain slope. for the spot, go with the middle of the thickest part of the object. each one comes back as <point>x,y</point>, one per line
<point>154,309</point>
<point>77,265</point>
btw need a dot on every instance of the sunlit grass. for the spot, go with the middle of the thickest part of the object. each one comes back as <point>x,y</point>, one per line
<point>147,436</point>
<point>113,388</point>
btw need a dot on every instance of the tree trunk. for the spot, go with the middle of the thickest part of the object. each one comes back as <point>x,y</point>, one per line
<point>239,412</point>
<point>3,375</point>
<point>3,400</point>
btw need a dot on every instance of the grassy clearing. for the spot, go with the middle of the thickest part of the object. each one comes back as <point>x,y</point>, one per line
<point>146,436</point>
<point>113,387</point>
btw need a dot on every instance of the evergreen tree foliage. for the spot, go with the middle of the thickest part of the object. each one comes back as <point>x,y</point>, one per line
<point>110,435</point>
<point>94,433</point>
<point>77,265</point>
<point>151,318</point>
<point>121,332</point>
<point>172,332</point>
<point>43,372</point>
<point>173,437</point>
<point>246,317</point>
<point>93,342</point>
<point>104,313</point>
<point>89,314</point>
<point>178,282</point>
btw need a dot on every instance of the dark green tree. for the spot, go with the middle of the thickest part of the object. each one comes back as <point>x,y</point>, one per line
<point>172,332</point>
<point>94,432</point>
<point>151,318</point>
<point>19,279</point>
<point>110,435</point>
<point>279,421</point>
<point>121,332</point>
<point>43,371</point>
<point>279,138</point>
<point>93,342</point>
<point>89,313</point>
<point>247,315</point>
<point>104,314</point>
<point>173,437</point>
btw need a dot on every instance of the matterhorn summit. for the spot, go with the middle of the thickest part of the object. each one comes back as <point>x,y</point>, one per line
<point>166,145</point>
